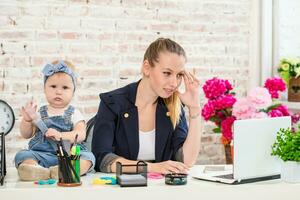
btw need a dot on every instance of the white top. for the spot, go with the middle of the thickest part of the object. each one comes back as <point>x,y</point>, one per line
<point>75,118</point>
<point>147,145</point>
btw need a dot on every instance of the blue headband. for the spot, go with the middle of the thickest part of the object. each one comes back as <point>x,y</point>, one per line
<point>51,69</point>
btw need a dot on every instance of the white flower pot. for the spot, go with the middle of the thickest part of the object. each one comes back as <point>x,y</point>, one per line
<point>290,171</point>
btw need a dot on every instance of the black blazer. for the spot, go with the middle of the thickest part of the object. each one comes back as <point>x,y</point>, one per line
<point>116,127</point>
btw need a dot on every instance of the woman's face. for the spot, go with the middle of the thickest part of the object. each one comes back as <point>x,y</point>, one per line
<point>166,74</point>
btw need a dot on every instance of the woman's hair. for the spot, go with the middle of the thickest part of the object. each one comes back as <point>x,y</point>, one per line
<point>151,55</point>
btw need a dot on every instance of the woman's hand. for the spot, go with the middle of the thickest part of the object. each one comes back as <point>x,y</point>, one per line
<point>190,97</point>
<point>29,112</point>
<point>167,167</point>
<point>53,134</point>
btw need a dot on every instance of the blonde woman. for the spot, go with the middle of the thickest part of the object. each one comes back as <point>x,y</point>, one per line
<point>145,120</point>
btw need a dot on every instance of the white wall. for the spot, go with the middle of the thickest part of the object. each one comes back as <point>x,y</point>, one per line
<point>288,28</point>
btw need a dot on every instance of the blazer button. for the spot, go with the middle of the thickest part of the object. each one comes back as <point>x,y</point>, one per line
<point>126,115</point>
<point>168,114</point>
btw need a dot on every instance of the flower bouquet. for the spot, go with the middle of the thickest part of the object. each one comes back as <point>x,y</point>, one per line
<point>222,108</point>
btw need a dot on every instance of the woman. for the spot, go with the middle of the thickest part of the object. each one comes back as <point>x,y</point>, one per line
<point>145,120</point>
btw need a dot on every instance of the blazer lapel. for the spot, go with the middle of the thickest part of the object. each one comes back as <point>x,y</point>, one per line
<point>163,129</point>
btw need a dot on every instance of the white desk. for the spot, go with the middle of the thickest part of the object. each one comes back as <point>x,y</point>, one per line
<point>156,190</point>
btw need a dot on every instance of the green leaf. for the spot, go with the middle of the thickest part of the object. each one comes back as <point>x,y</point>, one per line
<point>217,130</point>
<point>272,107</point>
<point>215,119</point>
<point>287,145</point>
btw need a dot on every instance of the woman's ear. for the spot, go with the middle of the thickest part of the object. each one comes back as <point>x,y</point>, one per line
<point>146,68</point>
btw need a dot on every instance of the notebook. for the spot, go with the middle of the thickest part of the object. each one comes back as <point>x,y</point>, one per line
<point>253,162</point>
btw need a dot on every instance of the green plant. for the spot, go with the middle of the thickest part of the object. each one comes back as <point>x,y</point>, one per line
<point>287,145</point>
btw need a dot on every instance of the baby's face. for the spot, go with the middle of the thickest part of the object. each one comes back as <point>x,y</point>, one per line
<point>59,90</point>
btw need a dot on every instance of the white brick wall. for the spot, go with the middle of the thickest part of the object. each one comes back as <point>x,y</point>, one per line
<point>106,41</point>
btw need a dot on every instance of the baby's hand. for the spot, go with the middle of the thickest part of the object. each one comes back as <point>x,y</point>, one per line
<point>54,134</point>
<point>29,112</point>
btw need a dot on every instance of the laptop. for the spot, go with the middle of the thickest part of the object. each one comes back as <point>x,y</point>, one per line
<point>252,160</point>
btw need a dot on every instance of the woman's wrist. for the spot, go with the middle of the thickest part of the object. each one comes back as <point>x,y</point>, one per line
<point>150,167</point>
<point>194,112</point>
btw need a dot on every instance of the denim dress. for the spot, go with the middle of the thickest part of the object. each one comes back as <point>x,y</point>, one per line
<point>43,149</point>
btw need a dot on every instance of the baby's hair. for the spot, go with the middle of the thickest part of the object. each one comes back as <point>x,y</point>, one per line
<point>68,63</point>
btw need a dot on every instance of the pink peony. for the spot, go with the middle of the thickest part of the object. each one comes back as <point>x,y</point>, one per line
<point>221,115</point>
<point>228,85</point>
<point>224,101</point>
<point>279,111</point>
<point>275,113</point>
<point>275,85</point>
<point>259,97</point>
<point>243,109</point>
<point>284,110</point>
<point>208,110</point>
<point>295,122</point>
<point>295,118</point>
<point>226,128</point>
<point>259,115</point>
<point>215,87</point>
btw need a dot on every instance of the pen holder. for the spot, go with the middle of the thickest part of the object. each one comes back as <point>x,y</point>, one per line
<point>69,171</point>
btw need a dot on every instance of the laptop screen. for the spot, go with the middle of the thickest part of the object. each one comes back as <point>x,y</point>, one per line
<point>253,139</point>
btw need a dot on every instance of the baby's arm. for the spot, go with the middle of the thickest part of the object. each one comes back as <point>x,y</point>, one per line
<point>29,114</point>
<point>26,129</point>
<point>79,129</point>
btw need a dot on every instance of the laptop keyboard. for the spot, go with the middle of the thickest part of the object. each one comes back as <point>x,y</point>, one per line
<point>226,176</point>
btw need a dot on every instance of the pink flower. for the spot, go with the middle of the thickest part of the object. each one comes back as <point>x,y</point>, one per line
<point>279,111</point>
<point>295,118</point>
<point>208,110</point>
<point>243,109</point>
<point>275,85</point>
<point>221,115</point>
<point>224,101</point>
<point>215,87</point>
<point>226,128</point>
<point>275,113</point>
<point>260,97</point>
<point>284,110</point>
<point>259,115</point>
<point>228,85</point>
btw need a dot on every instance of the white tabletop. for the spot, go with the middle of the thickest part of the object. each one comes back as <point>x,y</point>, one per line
<point>156,189</point>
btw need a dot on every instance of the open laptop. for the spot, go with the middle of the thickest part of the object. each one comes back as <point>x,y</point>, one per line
<point>252,160</point>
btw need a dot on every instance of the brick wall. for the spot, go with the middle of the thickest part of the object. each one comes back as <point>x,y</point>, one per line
<point>106,40</point>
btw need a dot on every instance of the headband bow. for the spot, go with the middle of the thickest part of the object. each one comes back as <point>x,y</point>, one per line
<point>51,69</point>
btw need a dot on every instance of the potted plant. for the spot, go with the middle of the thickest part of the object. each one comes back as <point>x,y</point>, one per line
<point>289,70</point>
<point>287,148</point>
